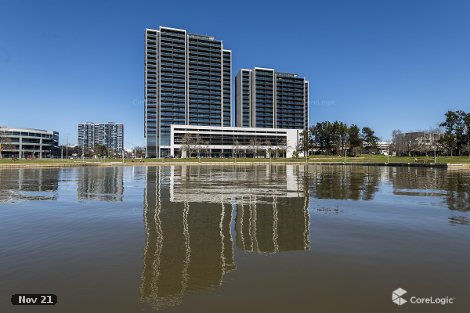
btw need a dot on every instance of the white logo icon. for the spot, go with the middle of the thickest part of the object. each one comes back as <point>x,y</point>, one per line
<point>397,296</point>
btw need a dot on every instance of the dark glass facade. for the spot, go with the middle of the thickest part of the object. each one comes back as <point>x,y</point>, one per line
<point>290,101</point>
<point>151,95</point>
<point>172,81</point>
<point>306,106</point>
<point>187,82</point>
<point>269,99</point>
<point>263,92</point>
<point>243,99</point>
<point>227,88</point>
<point>205,81</point>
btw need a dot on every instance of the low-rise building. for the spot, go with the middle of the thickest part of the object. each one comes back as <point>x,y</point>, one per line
<point>416,143</point>
<point>383,147</point>
<point>28,143</point>
<point>211,141</point>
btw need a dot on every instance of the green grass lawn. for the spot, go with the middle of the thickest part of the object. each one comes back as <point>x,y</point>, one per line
<point>312,159</point>
<point>385,159</point>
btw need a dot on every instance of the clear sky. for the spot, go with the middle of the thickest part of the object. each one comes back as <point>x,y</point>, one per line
<point>392,64</point>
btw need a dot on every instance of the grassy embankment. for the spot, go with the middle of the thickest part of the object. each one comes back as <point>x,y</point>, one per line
<point>312,159</point>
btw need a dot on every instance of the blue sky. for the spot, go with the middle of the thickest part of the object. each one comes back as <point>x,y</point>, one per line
<point>384,64</point>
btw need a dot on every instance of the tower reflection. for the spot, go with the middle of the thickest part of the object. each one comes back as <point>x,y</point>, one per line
<point>100,183</point>
<point>272,225</point>
<point>189,212</point>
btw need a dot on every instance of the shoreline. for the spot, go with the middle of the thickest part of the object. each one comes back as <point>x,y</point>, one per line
<point>279,162</point>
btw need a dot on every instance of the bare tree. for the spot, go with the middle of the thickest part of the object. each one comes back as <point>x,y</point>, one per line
<point>188,144</point>
<point>281,148</point>
<point>398,144</point>
<point>267,148</point>
<point>236,148</point>
<point>201,146</point>
<point>255,146</point>
<point>139,152</point>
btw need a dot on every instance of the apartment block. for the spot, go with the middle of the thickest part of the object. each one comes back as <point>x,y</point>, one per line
<point>187,82</point>
<point>269,99</point>
<point>108,134</point>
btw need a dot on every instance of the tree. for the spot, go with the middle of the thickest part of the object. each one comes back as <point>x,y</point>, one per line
<point>451,124</point>
<point>139,152</point>
<point>465,117</point>
<point>281,148</point>
<point>304,143</point>
<point>341,137</point>
<point>355,141</point>
<point>101,151</point>
<point>448,142</point>
<point>337,138</point>
<point>188,144</point>
<point>201,146</point>
<point>267,148</point>
<point>369,139</point>
<point>321,135</point>
<point>460,131</point>
<point>255,146</point>
<point>237,149</point>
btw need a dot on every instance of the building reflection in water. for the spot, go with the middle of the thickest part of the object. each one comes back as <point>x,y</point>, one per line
<point>100,183</point>
<point>362,183</point>
<point>29,184</point>
<point>281,224</point>
<point>345,182</point>
<point>452,186</point>
<point>188,215</point>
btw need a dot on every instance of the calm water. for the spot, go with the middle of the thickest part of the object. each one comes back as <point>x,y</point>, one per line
<point>281,238</point>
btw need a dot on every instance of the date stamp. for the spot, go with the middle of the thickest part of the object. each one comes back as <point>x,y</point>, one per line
<point>34,299</point>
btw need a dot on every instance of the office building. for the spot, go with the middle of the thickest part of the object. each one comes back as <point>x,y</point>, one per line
<point>211,141</point>
<point>28,143</point>
<point>269,99</point>
<point>187,82</point>
<point>108,134</point>
<point>416,143</point>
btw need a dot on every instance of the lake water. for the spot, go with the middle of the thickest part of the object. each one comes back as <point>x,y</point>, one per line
<point>260,238</point>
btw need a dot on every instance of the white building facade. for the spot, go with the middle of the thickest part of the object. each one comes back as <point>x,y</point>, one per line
<point>211,141</point>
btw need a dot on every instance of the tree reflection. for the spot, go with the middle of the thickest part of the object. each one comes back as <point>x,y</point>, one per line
<point>344,182</point>
<point>452,186</point>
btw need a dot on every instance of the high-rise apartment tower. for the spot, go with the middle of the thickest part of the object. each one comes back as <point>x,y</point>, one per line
<point>187,82</point>
<point>269,99</point>
<point>108,134</point>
